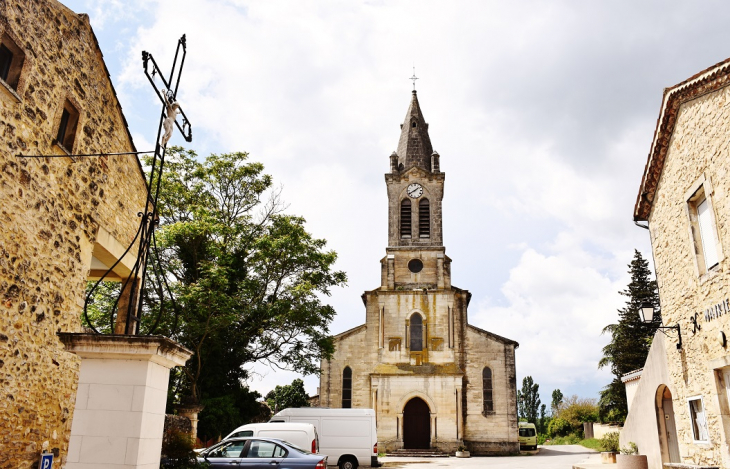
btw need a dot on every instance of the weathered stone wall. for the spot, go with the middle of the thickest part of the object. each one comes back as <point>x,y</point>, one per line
<point>385,377</point>
<point>433,190</point>
<point>496,431</point>
<point>699,147</point>
<point>50,211</point>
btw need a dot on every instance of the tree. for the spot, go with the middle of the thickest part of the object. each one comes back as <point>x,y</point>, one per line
<point>571,414</point>
<point>630,339</point>
<point>557,400</point>
<point>247,282</point>
<point>528,400</point>
<point>290,395</point>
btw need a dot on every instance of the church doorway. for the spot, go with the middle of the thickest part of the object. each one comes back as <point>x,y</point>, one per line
<point>416,425</point>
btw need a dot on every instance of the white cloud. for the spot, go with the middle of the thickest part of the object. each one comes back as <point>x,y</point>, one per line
<point>542,112</point>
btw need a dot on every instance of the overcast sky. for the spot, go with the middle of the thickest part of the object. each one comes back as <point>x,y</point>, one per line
<point>542,112</point>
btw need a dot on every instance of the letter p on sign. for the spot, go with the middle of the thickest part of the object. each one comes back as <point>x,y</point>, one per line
<point>46,460</point>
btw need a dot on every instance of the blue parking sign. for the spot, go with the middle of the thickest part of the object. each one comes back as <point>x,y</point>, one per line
<point>46,461</point>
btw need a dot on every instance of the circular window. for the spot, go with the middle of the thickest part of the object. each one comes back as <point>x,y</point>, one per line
<point>415,265</point>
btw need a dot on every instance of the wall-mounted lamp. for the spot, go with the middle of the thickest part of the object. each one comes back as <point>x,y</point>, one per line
<point>647,312</point>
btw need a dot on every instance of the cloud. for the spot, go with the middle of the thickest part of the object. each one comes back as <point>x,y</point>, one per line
<point>543,113</point>
<point>557,307</point>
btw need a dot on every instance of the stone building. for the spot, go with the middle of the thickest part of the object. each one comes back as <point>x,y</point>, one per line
<point>62,219</point>
<point>681,407</point>
<point>434,380</point>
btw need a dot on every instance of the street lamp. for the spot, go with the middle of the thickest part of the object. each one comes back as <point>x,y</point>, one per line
<point>647,312</point>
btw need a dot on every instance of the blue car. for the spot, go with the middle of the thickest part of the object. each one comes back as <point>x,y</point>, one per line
<point>260,453</point>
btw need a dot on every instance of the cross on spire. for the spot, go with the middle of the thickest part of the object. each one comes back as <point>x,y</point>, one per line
<point>414,78</point>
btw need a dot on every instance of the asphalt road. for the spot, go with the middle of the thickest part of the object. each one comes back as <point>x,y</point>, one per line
<point>548,457</point>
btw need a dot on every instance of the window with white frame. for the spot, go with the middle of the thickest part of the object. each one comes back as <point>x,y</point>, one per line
<point>707,234</point>
<point>703,230</point>
<point>698,419</point>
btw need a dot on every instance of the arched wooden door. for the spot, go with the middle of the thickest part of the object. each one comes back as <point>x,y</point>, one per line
<point>416,425</point>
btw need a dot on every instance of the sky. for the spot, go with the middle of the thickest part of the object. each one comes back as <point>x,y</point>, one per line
<point>542,112</point>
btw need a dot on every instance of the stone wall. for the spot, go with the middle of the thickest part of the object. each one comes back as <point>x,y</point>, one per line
<point>447,374</point>
<point>497,431</point>
<point>51,210</point>
<point>699,149</point>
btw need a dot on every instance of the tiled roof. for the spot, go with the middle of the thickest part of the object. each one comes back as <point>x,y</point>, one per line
<point>707,81</point>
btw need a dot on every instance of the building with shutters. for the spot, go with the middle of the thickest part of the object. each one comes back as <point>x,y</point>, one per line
<point>434,380</point>
<point>680,412</point>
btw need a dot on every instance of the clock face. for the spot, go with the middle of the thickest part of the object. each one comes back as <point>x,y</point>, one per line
<point>415,190</point>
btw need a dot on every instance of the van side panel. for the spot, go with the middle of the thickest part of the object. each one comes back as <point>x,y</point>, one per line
<point>298,438</point>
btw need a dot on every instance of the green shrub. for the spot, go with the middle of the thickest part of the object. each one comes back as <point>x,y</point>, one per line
<point>609,442</point>
<point>571,439</point>
<point>559,427</point>
<point>177,449</point>
<point>541,437</point>
<point>631,448</point>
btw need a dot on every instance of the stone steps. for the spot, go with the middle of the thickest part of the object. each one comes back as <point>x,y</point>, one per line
<point>418,453</point>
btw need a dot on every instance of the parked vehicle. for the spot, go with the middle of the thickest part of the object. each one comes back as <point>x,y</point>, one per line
<point>528,435</point>
<point>347,436</point>
<point>260,453</point>
<point>301,434</point>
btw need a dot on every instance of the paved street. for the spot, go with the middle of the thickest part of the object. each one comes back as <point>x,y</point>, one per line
<point>549,457</point>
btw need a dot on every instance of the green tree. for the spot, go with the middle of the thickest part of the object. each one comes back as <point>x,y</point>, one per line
<point>557,400</point>
<point>289,395</point>
<point>247,282</point>
<point>528,400</point>
<point>630,339</point>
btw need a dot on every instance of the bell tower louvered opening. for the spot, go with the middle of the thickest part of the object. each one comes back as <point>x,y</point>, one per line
<point>405,218</point>
<point>424,219</point>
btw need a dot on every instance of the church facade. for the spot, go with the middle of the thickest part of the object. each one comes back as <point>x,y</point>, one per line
<point>434,380</point>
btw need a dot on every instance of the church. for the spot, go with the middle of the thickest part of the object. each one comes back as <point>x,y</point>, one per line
<point>435,381</point>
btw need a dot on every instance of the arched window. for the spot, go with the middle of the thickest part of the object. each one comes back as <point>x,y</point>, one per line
<point>347,388</point>
<point>416,333</point>
<point>405,218</point>
<point>424,219</point>
<point>487,390</point>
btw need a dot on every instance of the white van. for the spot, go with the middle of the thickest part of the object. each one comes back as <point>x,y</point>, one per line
<point>347,436</point>
<point>303,435</point>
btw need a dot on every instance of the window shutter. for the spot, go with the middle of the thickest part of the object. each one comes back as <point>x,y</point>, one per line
<point>707,233</point>
<point>405,218</point>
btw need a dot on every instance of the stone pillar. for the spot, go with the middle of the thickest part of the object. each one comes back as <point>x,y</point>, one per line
<point>191,412</point>
<point>120,402</point>
<point>391,271</point>
<point>129,295</point>
<point>394,162</point>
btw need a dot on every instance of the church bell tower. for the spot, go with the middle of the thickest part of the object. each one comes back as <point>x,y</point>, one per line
<point>434,381</point>
<point>415,253</point>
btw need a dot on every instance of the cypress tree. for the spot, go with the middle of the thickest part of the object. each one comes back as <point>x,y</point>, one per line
<point>630,339</point>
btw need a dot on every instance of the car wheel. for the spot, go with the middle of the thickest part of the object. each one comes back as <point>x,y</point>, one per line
<point>348,463</point>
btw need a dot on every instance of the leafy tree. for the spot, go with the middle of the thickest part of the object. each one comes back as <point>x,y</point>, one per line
<point>630,339</point>
<point>290,395</point>
<point>557,400</point>
<point>528,400</point>
<point>570,415</point>
<point>247,282</point>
